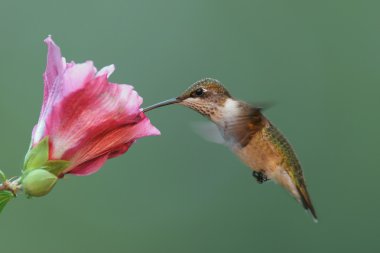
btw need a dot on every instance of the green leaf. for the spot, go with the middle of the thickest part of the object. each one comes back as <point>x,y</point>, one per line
<point>2,177</point>
<point>37,156</point>
<point>56,167</point>
<point>5,197</point>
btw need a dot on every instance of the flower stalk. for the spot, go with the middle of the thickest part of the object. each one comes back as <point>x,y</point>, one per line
<point>13,185</point>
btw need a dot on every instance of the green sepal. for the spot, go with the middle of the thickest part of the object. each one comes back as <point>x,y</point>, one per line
<point>56,167</point>
<point>3,178</point>
<point>5,197</point>
<point>37,156</point>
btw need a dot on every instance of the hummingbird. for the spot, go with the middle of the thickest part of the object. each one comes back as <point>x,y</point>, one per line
<point>249,134</point>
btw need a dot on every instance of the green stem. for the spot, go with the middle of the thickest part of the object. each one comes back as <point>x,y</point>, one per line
<point>13,186</point>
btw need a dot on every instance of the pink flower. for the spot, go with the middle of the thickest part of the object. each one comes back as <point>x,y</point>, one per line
<point>86,118</point>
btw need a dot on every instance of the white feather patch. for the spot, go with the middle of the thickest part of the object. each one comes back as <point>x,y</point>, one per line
<point>231,108</point>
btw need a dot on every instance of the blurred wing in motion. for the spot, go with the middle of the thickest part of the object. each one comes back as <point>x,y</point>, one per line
<point>209,131</point>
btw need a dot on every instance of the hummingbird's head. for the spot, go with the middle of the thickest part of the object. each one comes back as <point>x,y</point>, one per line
<point>204,96</point>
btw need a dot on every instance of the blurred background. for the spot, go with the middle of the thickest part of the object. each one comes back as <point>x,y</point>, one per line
<point>317,61</point>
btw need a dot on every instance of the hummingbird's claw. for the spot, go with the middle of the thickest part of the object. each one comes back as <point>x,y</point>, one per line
<point>260,177</point>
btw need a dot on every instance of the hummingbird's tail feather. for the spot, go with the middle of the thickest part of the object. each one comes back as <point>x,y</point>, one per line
<point>297,188</point>
<point>306,201</point>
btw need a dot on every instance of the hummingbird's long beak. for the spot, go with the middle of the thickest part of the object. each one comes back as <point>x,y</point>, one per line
<point>163,103</point>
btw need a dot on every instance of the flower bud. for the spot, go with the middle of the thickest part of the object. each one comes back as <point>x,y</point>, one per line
<point>39,182</point>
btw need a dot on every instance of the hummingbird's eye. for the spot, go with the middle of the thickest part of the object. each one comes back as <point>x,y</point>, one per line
<point>198,92</point>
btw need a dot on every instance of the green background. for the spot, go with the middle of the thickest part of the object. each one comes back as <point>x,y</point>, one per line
<point>317,61</point>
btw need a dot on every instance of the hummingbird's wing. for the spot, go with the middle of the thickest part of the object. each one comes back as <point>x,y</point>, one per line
<point>263,106</point>
<point>209,131</point>
<point>240,128</point>
<point>237,129</point>
<point>291,165</point>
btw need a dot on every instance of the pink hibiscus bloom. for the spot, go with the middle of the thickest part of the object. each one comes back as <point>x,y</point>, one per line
<point>86,118</point>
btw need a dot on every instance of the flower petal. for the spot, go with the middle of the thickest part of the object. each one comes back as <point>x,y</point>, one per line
<point>108,70</point>
<point>76,78</point>
<point>54,67</point>
<point>60,79</point>
<point>89,167</point>
<point>115,142</point>
<point>110,145</point>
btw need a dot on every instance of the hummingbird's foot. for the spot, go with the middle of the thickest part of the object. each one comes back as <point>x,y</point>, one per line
<point>260,177</point>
